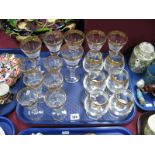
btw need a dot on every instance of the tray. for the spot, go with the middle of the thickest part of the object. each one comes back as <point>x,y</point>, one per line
<point>7,126</point>
<point>73,105</point>
<point>134,78</point>
<point>142,120</point>
<point>78,131</point>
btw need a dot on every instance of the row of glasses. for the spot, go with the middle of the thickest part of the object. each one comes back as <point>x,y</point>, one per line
<point>118,106</point>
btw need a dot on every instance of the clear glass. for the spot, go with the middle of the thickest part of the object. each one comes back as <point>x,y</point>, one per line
<point>121,104</point>
<point>53,41</point>
<point>74,39</point>
<point>53,80</point>
<point>96,39</point>
<point>72,58</point>
<point>53,63</point>
<point>31,46</point>
<point>28,65</point>
<point>118,79</point>
<point>34,80</point>
<point>95,81</point>
<point>28,98</point>
<point>114,62</point>
<point>55,99</point>
<point>93,61</point>
<point>116,41</point>
<point>96,105</point>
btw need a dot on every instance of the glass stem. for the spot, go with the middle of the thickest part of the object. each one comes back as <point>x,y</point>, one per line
<point>72,71</point>
<point>38,63</point>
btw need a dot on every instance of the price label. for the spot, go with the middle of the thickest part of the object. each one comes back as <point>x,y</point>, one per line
<point>74,117</point>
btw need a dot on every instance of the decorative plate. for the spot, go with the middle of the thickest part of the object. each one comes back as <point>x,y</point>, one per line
<point>9,68</point>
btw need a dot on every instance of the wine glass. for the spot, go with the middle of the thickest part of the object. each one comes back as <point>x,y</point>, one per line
<point>53,80</point>
<point>116,41</point>
<point>118,79</point>
<point>53,63</point>
<point>93,61</point>
<point>28,65</point>
<point>72,58</point>
<point>55,99</point>
<point>74,39</point>
<point>31,46</point>
<point>28,98</point>
<point>35,80</point>
<point>96,105</point>
<point>96,39</point>
<point>114,62</point>
<point>121,104</point>
<point>95,81</point>
<point>53,41</point>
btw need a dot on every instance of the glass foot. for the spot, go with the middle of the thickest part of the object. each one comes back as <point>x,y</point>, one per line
<point>72,79</point>
<point>59,115</point>
<point>35,113</point>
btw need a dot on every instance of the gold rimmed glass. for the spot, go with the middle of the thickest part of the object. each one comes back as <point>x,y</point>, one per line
<point>96,39</point>
<point>53,80</point>
<point>114,62</point>
<point>121,104</point>
<point>53,63</point>
<point>96,105</point>
<point>55,99</point>
<point>118,79</point>
<point>28,65</point>
<point>95,81</point>
<point>72,58</point>
<point>93,61</point>
<point>74,39</point>
<point>116,41</point>
<point>53,41</point>
<point>31,46</point>
<point>28,98</point>
<point>34,80</point>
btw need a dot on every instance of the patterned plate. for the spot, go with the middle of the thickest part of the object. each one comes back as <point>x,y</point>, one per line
<point>9,68</point>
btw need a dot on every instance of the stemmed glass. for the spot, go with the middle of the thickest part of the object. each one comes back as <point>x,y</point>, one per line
<point>116,41</point>
<point>118,79</point>
<point>121,104</point>
<point>53,63</point>
<point>34,80</point>
<point>53,41</point>
<point>96,39</point>
<point>28,65</point>
<point>93,59</point>
<point>74,39</point>
<point>55,99</point>
<point>53,80</point>
<point>28,98</point>
<point>96,105</point>
<point>31,46</point>
<point>72,58</point>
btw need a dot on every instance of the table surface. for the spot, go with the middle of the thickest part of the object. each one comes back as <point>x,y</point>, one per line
<point>7,42</point>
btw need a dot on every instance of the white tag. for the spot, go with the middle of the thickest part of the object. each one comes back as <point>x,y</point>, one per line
<point>149,105</point>
<point>74,117</point>
<point>65,132</point>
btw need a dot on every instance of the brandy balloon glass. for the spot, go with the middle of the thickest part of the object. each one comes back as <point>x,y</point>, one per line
<point>116,41</point>
<point>96,39</point>
<point>53,41</point>
<point>31,46</point>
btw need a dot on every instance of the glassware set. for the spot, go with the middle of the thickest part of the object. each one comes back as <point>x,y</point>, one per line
<point>105,83</point>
